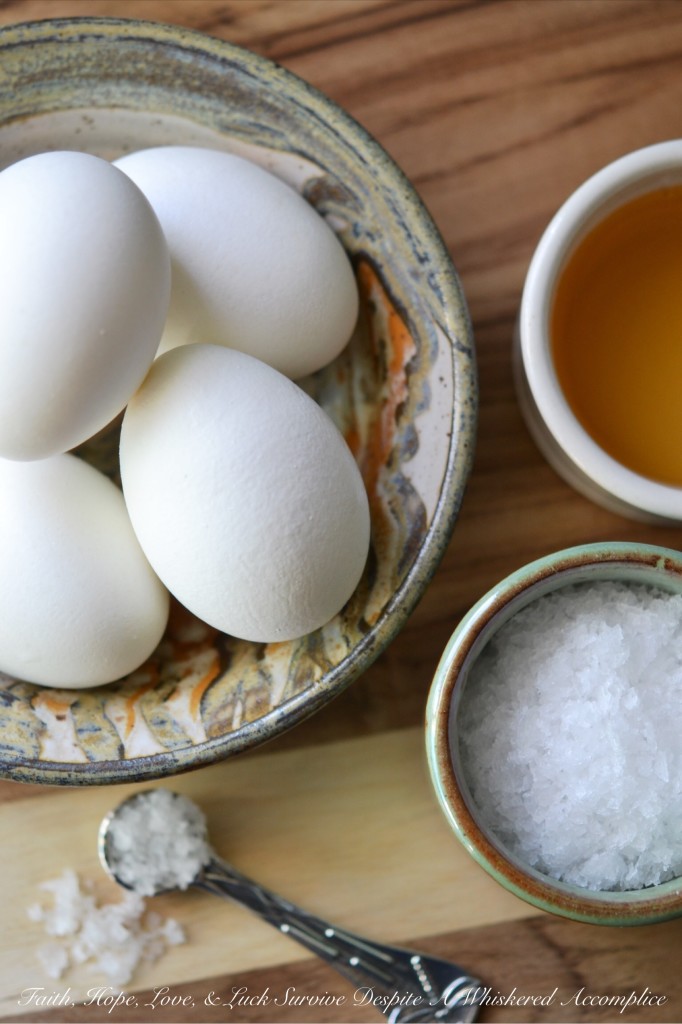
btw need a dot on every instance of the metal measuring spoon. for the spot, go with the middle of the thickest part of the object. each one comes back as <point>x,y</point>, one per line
<point>408,987</point>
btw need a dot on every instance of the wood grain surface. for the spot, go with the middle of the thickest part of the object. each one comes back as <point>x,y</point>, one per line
<point>496,111</point>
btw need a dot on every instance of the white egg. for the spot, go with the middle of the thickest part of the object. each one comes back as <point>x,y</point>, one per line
<point>79,603</point>
<point>255,267</point>
<point>84,292</point>
<point>244,495</point>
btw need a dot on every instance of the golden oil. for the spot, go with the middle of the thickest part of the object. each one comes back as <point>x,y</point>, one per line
<point>616,334</point>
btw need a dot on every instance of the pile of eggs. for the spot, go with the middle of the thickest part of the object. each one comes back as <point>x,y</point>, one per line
<point>189,288</point>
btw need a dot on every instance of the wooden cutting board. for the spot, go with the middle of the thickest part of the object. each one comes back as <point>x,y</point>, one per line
<point>351,831</point>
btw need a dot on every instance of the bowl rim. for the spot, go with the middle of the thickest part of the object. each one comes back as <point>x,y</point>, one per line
<point>579,458</point>
<point>455,324</point>
<point>630,907</point>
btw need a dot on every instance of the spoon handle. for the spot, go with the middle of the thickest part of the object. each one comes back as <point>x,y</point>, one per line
<point>404,985</point>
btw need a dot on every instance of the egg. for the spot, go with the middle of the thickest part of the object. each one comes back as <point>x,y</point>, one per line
<point>255,267</point>
<point>244,495</point>
<point>84,292</point>
<point>79,603</point>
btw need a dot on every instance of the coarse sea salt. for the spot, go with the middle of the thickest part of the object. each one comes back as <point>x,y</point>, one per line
<point>157,841</point>
<point>569,735</point>
<point>111,939</point>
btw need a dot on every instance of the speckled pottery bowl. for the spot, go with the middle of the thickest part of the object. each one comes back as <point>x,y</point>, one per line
<point>637,563</point>
<point>403,393</point>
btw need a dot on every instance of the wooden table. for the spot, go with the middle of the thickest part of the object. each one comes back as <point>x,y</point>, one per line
<point>496,111</point>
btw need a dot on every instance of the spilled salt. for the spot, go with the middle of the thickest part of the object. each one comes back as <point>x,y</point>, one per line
<point>111,939</point>
<point>569,735</point>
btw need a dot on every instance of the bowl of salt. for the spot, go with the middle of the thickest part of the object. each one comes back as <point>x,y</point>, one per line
<point>553,733</point>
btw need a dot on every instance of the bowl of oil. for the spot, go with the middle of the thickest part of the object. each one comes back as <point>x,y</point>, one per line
<point>598,364</point>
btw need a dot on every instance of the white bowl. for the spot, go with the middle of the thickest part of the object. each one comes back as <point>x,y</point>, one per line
<point>562,439</point>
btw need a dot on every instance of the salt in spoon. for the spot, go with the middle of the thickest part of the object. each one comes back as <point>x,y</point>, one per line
<point>156,841</point>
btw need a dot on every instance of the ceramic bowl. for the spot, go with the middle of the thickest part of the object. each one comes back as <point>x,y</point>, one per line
<point>639,563</point>
<point>403,393</point>
<point>556,430</point>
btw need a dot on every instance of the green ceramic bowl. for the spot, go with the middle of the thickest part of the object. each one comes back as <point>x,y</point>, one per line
<point>639,563</point>
<point>403,393</point>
